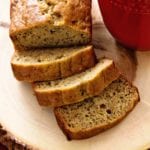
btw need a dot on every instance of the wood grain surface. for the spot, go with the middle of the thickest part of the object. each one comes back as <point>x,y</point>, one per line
<point>8,141</point>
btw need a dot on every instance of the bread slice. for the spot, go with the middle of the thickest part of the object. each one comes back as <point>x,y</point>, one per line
<point>94,115</point>
<point>50,23</point>
<point>78,87</point>
<point>51,64</point>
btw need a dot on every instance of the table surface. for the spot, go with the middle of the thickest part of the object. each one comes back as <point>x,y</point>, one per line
<point>21,115</point>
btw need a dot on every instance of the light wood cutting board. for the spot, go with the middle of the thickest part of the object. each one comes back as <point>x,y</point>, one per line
<point>35,126</point>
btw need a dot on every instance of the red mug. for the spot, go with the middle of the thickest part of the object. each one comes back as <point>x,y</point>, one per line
<point>128,21</point>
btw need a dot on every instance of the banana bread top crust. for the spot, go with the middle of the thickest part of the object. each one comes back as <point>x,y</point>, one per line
<point>30,13</point>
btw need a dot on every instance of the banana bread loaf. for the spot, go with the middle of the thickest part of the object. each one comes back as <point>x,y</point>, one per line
<point>77,87</point>
<point>50,23</point>
<point>51,64</point>
<point>94,115</point>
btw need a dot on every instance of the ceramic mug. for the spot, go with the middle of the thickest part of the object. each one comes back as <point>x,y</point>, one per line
<point>128,21</point>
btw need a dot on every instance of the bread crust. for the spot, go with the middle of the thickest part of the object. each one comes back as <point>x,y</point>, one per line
<point>26,15</point>
<point>70,65</point>
<point>77,93</point>
<point>93,131</point>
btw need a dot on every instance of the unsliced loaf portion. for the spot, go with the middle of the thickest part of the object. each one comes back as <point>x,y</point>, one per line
<point>51,64</point>
<point>78,87</point>
<point>94,115</point>
<point>50,23</point>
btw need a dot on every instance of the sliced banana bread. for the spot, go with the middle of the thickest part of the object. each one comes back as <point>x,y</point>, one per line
<point>50,23</point>
<point>94,115</point>
<point>78,87</point>
<point>51,64</point>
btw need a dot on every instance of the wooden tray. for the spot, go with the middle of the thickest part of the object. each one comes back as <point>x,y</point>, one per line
<point>35,127</point>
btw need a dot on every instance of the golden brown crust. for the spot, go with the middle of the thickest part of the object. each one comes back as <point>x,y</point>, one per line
<point>27,14</point>
<point>24,14</point>
<point>79,92</point>
<point>93,131</point>
<point>102,80</point>
<point>71,65</point>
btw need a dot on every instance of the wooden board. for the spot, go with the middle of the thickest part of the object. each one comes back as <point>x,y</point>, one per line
<point>35,127</point>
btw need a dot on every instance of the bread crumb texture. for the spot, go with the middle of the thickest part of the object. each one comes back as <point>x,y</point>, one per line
<point>97,112</point>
